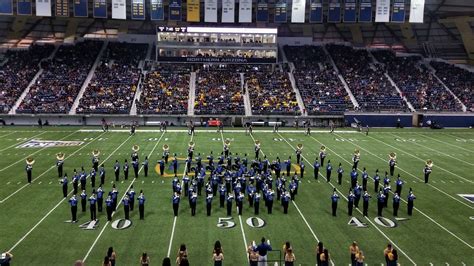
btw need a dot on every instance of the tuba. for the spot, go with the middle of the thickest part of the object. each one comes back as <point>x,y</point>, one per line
<point>60,156</point>
<point>135,148</point>
<point>357,152</point>
<point>191,145</point>
<point>257,143</point>
<point>166,148</point>
<point>299,146</point>
<point>95,153</point>
<point>323,148</point>
<point>30,161</point>
<point>392,156</point>
<point>227,142</point>
<point>429,163</point>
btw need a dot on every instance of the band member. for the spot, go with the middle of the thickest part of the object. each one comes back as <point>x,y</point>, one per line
<point>83,178</point>
<point>135,165</point>
<point>257,149</point>
<point>285,200</point>
<point>275,127</point>
<point>340,171</point>
<point>191,149</point>
<point>92,175</point>
<point>380,202</point>
<point>100,198</point>
<point>308,130</point>
<point>141,205</point>
<point>29,168</point>
<point>411,198</point>
<point>358,194</point>
<point>427,170</point>
<point>192,129</point>
<point>193,202</point>
<point>298,151</point>
<point>117,170</point>
<point>125,170</point>
<point>316,166</point>
<point>230,197</point>
<point>102,174</point>
<point>350,202</point>
<point>396,204</point>
<point>399,183</point>
<point>239,199</point>
<point>174,164</point>
<point>332,126</point>
<point>354,176</point>
<point>95,160</point>
<point>392,162</point>
<point>166,153</point>
<point>60,163</point>
<point>386,189</point>
<point>73,203</point>
<point>334,199</point>
<point>64,183</point>
<point>134,154</point>
<point>250,129</point>
<point>288,166</point>
<point>145,166</point>
<point>222,194</point>
<point>356,159</point>
<point>366,198</point>
<point>109,207</point>
<point>161,164</point>
<point>131,197</point>
<point>83,200</point>
<point>365,178</point>
<point>328,171</point>
<point>376,180</point>
<point>114,195</point>
<point>92,206</point>
<point>75,182</point>
<point>322,155</point>
<point>256,203</point>
<point>209,204</point>
<point>126,207</point>
<point>132,130</point>
<point>226,148</point>
<point>175,200</point>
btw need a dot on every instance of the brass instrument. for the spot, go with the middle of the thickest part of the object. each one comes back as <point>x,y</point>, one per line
<point>60,156</point>
<point>323,148</point>
<point>30,161</point>
<point>135,148</point>
<point>429,163</point>
<point>393,156</point>
<point>299,146</point>
<point>166,148</point>
<point>95,153</point>
<point>191,145</point>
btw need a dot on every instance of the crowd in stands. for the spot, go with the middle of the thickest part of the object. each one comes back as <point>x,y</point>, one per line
<point>366,80</point>
<point>317,81</point>
<point>218,91</point>
<point>115,82</point>
<point>416,82</point>
<point>165,90</point>
<point>57,87</point>
<point>271,93</point>
<point>18,70</point>
<point>460,81</point>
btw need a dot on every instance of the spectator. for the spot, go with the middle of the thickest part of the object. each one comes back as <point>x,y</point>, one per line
<point>144,259</point>
<point>57,87</point>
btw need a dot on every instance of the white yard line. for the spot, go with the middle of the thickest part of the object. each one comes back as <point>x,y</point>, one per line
<point>176,217</point>
<point>444,142</point>
<point>119,202</point>
<point>342,195</point>
<point>437,167</point>
<point>59,203</point>
<point>22,160</point>
<point>23,141</point>
<point>294,203</point>
<point>11,132</point>
<point>446,154</point>
<point>49,169</point>
<point>431,219</point>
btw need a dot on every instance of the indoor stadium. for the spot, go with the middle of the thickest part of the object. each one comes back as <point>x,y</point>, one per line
<point>236,132</point>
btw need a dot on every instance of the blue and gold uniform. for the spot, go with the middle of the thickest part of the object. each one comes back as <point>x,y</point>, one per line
<point>334,199</point>
<point>141,205</point>
<point>73,203</point>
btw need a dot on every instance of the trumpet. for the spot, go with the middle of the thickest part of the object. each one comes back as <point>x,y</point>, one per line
<point>393,156</point>
<point>95,153</point>
<point>135,148</point>
<point>30,161</point>
<point>60,156</point>
<point>429,163</point>
<point>166,147</point>
<point>299,146</point>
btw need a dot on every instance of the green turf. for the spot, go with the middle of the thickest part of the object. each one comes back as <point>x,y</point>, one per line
<point>439,232</point>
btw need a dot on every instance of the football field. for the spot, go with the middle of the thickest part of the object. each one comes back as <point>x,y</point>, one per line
<point>440,232</point>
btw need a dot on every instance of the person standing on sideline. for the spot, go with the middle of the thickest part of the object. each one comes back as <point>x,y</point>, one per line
<point>334,199</point>
<point>73,203</point>
<point>141,205</point>
<point>64,183</point>
<point>262,251</point>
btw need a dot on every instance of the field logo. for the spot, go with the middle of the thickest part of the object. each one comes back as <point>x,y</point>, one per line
<point>34,143</point>
<point>468,197</point>
<point>121,224</point>
<point>91,225</point>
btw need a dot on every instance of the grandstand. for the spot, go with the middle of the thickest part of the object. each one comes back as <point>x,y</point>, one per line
<point>241,97</point>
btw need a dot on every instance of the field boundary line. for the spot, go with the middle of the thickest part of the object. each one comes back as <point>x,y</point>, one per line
<point>22,141</point>
<point>343,196</point>
<point>21,160</point>
<point>44,217</point>
<point>416,157</point>
<point>49,169</point>
<point>431,219</point>
<point>119,202</point>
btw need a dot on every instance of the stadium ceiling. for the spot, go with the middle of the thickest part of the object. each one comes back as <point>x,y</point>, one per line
<point>449,8</point>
